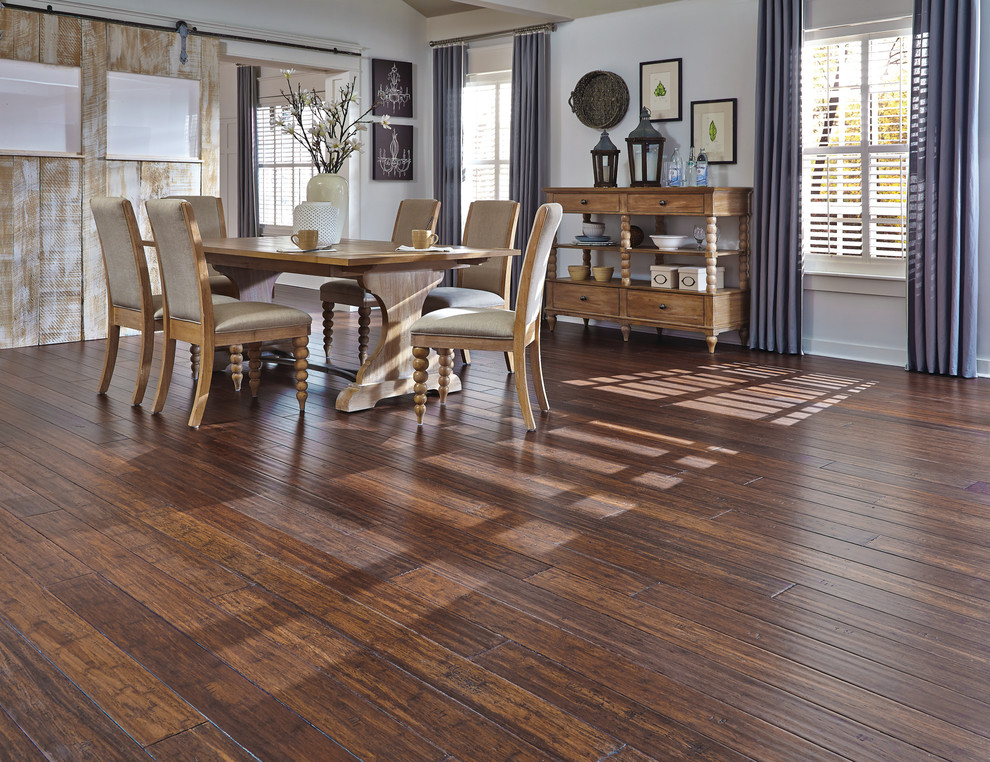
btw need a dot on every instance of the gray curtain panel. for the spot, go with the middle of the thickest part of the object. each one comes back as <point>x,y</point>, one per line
<point>448,84</point>
<point>775,261</point>
<point>943,209</point>
<point>529,137</point>
<point>247,150</point>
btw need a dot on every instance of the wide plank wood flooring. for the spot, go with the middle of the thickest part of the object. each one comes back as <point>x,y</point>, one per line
<point>738,556</point>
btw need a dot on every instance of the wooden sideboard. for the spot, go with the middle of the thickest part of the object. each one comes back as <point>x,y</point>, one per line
<point>627,301</point>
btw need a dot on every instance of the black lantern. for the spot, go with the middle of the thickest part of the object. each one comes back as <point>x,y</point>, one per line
<point>605,158</point>
<point>645,152</point>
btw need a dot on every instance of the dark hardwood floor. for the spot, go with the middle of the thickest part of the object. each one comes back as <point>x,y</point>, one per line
<point>714,557</point>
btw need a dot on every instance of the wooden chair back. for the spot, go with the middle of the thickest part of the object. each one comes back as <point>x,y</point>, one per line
<point>414,214</point>
<point>185,278</point>
<point>489,225</point>
<point>128,280</point>
<point>209,217</point>
<point>529,296</point>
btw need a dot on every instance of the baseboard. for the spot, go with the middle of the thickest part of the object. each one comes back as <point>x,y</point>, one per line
<point>861,352</point>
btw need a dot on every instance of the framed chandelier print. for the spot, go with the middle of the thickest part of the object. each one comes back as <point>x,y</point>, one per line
<point>391,87</point>
<point>393,149</point>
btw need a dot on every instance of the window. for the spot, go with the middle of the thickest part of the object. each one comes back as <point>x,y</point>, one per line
<point>284,168</point>
<point>855,111</point>
<point>152,117</point>
<point>486,110</point>
<point>46,101</point>
<point>284,164</point>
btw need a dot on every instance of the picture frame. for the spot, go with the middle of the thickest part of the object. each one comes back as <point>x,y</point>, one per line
<point>392,87</point>
<point>660,89</point>
<point>713,126</point>
<point>393,152</point>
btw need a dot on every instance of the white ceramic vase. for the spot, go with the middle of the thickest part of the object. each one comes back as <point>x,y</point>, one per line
<point>331,187</point>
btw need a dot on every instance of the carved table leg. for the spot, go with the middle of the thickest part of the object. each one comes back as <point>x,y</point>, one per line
<point>388,371</point>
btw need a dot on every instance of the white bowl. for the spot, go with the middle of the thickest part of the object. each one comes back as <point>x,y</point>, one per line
<point>669,241</point>
<point>593,228</point>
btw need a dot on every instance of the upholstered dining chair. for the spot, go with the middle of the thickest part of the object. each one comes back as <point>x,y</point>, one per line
<point>413,214</point>
<point>489,225</point>
<point>190,314</point>
<point>130,302</point>
<point>493,328</point>
<point>212,224</point>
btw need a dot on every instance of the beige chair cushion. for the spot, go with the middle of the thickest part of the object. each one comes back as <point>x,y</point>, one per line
<point>156,300</point>
<point>345,291</point>
<point>464,322</point>
<point>452,296</point>
<point>251,316</point>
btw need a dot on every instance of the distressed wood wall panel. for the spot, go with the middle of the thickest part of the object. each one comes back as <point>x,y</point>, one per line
<point>123,178</point>
<point>21,39</point>
<point>209,113</point>
<point>160,179</point>
<point>23,282</point>
<point>52,284</point>
<point>7,204</point>
<point>59,272</point>
<point>60,41</point>
<point>94,175</point>
<point>143,51</point>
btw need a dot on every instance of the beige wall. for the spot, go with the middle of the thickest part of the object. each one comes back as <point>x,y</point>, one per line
<point>52,286</point>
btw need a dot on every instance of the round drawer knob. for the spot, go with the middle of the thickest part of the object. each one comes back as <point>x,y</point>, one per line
<point>584,298</point>
<point>584,201</point>
<point>663,306</point>
<point>662,202</point>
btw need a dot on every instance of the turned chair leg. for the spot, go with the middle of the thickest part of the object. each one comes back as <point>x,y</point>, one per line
<point>300,351</point>
<point>421,364</point>
<point>254,367</point>
<point>195,355</point>
<point>236,365</point>
<point>446,357</point>
<point>327,328</point>
<point>364,332</point>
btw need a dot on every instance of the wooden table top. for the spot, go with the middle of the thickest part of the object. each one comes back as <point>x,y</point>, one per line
<point>348,253</point>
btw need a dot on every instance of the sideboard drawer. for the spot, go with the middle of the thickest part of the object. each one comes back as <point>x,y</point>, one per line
<point>660,203</point>
<point>683,309</point>
<point>584,298</point>
<point>587,202</point>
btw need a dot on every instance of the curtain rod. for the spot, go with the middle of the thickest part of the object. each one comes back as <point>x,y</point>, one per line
<point>192,30</point>
<point>490,35</point>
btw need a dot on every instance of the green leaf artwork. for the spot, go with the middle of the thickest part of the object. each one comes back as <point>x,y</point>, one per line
<point>660,90</point>
<point>712,132</point>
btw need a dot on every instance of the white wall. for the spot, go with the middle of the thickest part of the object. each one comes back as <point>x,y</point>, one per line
<point>716,40</point>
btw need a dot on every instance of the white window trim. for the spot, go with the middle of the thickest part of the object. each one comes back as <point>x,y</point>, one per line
<point>498,77</point>
<point>844,266</point>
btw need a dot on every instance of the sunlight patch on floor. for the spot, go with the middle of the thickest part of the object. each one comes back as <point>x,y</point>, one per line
<point>741,390</point>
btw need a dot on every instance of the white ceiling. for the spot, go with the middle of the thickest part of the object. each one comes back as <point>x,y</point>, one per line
<point>540,10</point>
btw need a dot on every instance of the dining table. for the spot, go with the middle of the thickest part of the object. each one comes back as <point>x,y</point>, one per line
<point>399,280</point>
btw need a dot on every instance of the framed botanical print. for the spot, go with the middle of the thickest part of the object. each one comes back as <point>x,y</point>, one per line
<point>393,149</point>
<point>713,127</point>
<point>391,87</point>
<point>660,89</point>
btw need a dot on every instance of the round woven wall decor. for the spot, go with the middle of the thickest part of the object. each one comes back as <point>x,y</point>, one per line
<point>600,99</point>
